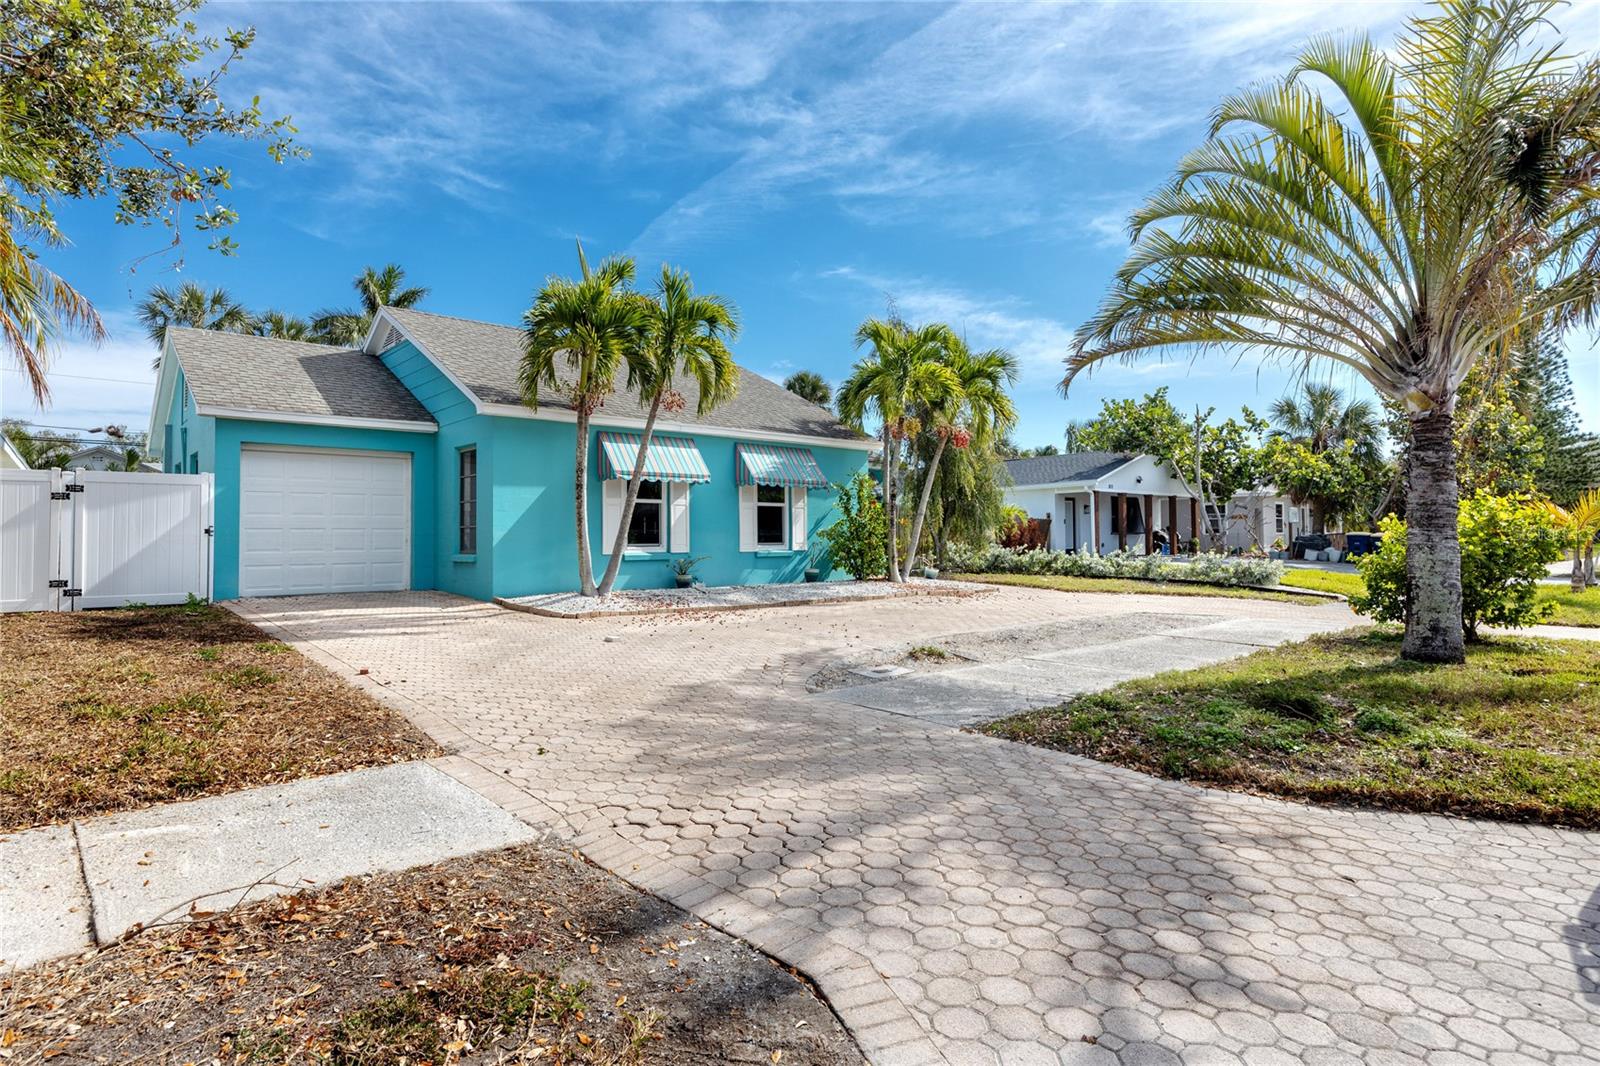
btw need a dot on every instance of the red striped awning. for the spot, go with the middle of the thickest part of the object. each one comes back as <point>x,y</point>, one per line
<point>668,458</point>
<point>770,464</point>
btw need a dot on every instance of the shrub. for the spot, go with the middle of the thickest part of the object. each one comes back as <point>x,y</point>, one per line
<point>1207,569</point>
<point>857,542</point>
<point>1506,544</point>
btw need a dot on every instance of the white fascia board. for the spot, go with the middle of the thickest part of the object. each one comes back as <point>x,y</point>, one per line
<point>507,410</point>
<point>302,419</point>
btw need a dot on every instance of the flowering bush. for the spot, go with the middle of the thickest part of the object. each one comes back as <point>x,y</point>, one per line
<point>1207,569</point>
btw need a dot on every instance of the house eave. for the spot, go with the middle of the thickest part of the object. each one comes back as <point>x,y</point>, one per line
<point>610,421</point>
<point>307,419</point>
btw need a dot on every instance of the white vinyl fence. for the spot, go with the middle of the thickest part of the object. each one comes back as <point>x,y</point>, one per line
<point>71,539</point>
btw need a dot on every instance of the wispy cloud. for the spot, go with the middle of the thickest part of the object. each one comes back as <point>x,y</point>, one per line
<point>91,385</point>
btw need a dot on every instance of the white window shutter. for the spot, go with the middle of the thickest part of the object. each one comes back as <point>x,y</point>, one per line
<point>679,537</point>
<point>747,518</point>
<point>612,492</point>
<point>797,518</point>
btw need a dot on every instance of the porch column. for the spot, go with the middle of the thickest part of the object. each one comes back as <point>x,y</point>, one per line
<point>1149,524</point>
<point>1122,521</point>
<point>1094,522</point>
<point>1194,522</point>
<point>1172,524</point>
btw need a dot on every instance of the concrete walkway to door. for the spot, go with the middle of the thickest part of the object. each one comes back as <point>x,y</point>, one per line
<point>963,899</point>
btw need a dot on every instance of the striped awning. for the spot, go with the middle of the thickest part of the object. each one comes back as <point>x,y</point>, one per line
<point>668,458</point>
<point>769,464</point>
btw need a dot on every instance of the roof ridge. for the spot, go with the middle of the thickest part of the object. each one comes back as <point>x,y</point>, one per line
<point>260,337</point>
<point>452,318</point>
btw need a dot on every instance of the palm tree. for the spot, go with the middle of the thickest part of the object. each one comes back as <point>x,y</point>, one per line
<point>35,305</point>
<point>1321,419</point>
<point>1581,524</point>
<point>193,306</point>
<point>903,370</point>
<point>592,327</point>
<point>977,411</point>
<point>1412,215</point>
<point>685,333</point>
<point>281,326</point>
<point>376,288</point>
<point>809,385</point>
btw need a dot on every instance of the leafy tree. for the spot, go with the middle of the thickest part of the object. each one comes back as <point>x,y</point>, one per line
<point>1404,215</point>
<point>809,385</point>
<point>902,371</point>
<point>376,288</point>
<point>977,410</point>
<point>969,494</point>
<point>685,333</point>
<point>590,328</point>
<point>1543,388</point>
<point>192,306</point>
<point>41,449</point>
<point>1498,450</point>
<point>280,325</point>
<point>1506,544</point>
<point>1335,481</point>
<point>108,98</point>
<point>858,539</point>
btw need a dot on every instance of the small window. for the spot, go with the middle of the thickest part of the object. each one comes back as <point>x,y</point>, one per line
<point>194,462</point>
<point>644,528</point>
<point>1277,518</point>
<point>772,516</point>
<point>467,518</point>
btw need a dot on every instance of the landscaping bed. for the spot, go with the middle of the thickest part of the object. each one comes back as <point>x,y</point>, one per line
<point>1514,734</point>
<point>114,710</point>
<point>526,954</point>
<point>1571,608</point>
<point>1149,587</point>
<point>726,597</point>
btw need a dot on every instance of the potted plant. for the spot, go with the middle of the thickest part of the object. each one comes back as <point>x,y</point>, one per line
<point>683,569</point>
<point>813,572</point>
<point>1277,551</point>
<point>931,573</point>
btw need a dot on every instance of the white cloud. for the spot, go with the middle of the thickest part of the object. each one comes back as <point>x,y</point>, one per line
<point>91,386</point>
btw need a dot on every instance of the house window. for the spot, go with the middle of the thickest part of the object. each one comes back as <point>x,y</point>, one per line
<point>644,528</point>
<point>194,462</point>
<point>772,516</point>
<point>1277,518</point>
<point>467,492</point>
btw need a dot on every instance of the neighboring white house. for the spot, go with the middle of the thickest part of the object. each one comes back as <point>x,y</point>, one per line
<point>1257,518</point>
<point>1104,501</point>
<point>97,457</point>
<point>10,458</point>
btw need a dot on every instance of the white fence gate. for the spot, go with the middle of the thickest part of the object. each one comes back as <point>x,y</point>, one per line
<point>71,539</point>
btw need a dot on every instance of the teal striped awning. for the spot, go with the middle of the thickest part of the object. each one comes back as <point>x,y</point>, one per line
<point>769,464</point>
<point>667,459</point>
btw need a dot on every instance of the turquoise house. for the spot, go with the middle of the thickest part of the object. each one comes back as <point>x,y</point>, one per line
<point>411,463</point>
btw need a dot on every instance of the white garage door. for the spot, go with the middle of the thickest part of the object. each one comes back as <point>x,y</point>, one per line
<point>316,520</point>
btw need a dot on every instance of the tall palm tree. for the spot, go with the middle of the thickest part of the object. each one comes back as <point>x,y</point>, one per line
<point>376,288</point>
<point>281,325</point>
<point>901,371</point>
<point>976,412</point>
<point>809,385</point>
<point>1320,418</point>
<point>685,333</point>
<point>591,328</point>
<point>192,306</point>
<point>1404,219</point>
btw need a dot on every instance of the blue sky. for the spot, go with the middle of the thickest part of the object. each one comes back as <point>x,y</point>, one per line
<point>972,163</point>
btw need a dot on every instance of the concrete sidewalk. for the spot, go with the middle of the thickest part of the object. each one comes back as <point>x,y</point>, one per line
<point>67,888</point>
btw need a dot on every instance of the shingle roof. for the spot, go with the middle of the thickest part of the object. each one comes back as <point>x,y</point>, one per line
<point>1073,466</point>
<point>243,372</point>
<point>484,357</point>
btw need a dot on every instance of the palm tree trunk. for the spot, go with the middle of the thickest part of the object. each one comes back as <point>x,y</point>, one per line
<point>620,544</point>
<point>922,506</point>
<point>890,461</point>
<point>580,495</point>
<point>1433,548</point>
<point>1588,563</point>
<point>1579,579</point>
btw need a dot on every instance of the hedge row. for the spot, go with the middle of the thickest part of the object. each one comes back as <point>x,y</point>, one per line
<point>1205,569</point>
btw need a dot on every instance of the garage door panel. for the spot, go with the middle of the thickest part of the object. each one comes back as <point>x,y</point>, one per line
<point>323,521</point>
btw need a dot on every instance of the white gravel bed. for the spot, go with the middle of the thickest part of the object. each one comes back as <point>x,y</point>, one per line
<point>730,597</point>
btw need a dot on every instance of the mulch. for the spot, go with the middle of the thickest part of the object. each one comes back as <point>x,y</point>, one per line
<point>529,954</point>
<point>114,710</point>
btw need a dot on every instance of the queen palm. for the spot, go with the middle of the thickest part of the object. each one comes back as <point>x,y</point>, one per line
<point>376,288</point>
<point>809,385</point>
<point>978,410</point>
<point>685,333</point>
<point>193,306</point>
<point>576,336</point>
<point>902,370</point>
<point>1403,220</point>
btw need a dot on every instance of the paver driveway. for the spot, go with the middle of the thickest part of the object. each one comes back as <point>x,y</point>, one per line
<point>971,899</point>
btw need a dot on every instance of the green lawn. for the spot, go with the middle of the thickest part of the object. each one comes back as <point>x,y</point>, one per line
<point>1134,585</point>
<point>1513,734</point>
<point>1572,608</point>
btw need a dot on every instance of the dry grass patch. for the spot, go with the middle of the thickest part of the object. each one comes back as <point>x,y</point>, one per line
<point>114,710</point>
<point>522,955</point>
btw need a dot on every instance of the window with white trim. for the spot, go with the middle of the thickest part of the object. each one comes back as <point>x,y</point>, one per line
<point>647,526</point>
<point>1277,518</point>
<point>772,516</point>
